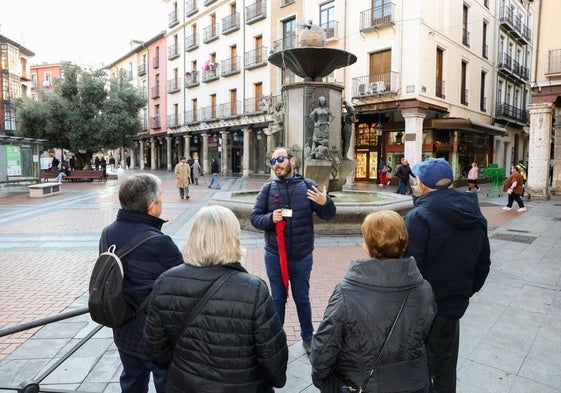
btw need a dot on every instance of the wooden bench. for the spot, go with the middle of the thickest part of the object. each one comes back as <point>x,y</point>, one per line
<point>46,175</point>
<point>41,190</point>
<point>85,175</point>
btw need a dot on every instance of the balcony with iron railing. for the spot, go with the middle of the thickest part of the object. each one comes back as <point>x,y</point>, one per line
<point>465,37</point>
<point>229,109</point>
<point>155,62</point>
<point>155,122</point>
<point>191,117</point>
<point>211,74</point>
<point>287,42</point>
<point>384,83</point>
<point>230,66</point>
<point>512,68</point>
<point>377,17</point>
<point>191,8</point>
<point>514,25</point>
<point>192,79</point>
<point>231,23</point>
<point>286,2</point>
<point>173,19</point>
<point>173,120</point>
<point>174,85</point>
<point>141,70</point>
<point>464,96</point>
<point>485,51</point>
<point>255,12</point>
<point>173,51</point>
<point>209,113</point>
<point>208,2</point>
<point>554,62</point>
<point>256,58</point>
<point>440,88</point>
<point>191,42</point>
<point>331,29</point>
<point>256,105</point>
<point>210,33</point>
<point>155,92</point>
<point>128,75</point>
<point>483,104</point>
<point>508,112</point>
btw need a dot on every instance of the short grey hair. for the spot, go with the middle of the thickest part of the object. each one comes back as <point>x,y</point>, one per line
<point>214,238</point>
<point>138,191</point>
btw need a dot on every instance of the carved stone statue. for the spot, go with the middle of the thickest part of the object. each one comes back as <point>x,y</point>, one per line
<point>275,133</point>
<point>322,118</point>
<point>349,120</point>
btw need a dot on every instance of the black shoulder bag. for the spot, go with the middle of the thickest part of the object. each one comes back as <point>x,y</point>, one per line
<point>360,389</point>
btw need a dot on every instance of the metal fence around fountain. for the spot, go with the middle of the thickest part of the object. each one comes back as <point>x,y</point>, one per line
<point>34,385</point>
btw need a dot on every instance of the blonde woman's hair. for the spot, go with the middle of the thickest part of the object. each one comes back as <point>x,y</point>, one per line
<point>214,238</point>
<point>385,235</point>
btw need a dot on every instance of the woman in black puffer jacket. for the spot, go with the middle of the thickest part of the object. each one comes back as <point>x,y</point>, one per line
<point>361,312</point>
<point>236,343</point>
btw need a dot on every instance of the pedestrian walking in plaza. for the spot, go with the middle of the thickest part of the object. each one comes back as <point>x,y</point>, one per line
<point>383,169</point>
<point>523,170</point>
<point>292,200</point>
<point>514,187</point>
<point>383,309</point>
<point>196,171</point>
<point>403,173</point>
<point>215,170</point>
<point>473,175</point>
<point>448,239</point>
<point>183,176</point>
<point>236,343</point>
<point>140,196</point>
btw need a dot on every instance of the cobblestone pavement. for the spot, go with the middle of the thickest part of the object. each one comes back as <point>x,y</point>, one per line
<point>48,246</point>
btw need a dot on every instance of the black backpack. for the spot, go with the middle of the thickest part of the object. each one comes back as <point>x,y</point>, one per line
<point>107,304</point>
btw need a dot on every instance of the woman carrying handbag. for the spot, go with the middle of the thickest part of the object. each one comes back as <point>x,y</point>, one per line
<point>372,335</point>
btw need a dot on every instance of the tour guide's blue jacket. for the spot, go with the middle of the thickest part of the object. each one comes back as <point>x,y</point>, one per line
<point>448,238</point>
<point>299,231</point>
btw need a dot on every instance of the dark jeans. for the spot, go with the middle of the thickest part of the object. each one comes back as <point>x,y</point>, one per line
<point>136,375</point>
<point>299,273</point>
<point>404,187</point>
<point>514,197</point>
<point>442,354</point>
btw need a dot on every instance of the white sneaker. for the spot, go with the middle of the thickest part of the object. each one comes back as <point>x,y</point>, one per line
<point>506,208</point>
<point>522,209</point>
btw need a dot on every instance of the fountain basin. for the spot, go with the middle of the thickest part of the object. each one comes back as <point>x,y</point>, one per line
<point>352,207</point>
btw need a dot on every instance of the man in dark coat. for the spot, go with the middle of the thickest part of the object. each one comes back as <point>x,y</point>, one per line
<point>294,200</point>
<point>448,238</point>
<point>140,196</point>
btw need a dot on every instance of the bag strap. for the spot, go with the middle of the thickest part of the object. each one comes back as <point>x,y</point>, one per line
<point>363,385</point>
<point>200,304</point>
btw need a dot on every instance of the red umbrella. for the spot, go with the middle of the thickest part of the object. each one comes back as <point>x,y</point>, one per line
<point>279,227</point>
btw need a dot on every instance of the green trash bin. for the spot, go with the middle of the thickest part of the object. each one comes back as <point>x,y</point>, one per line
<point>497,176</point>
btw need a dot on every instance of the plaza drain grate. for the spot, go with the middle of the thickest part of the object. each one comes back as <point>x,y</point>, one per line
<point>507,237</point>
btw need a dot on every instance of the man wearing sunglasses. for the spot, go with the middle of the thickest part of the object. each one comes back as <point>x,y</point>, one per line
<point>291,199</point>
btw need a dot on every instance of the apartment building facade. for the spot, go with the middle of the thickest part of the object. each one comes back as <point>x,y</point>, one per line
<point>44,76</point>
<point>435,78</point>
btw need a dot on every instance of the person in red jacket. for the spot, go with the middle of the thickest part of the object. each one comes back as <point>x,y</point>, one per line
<point>514,187</point>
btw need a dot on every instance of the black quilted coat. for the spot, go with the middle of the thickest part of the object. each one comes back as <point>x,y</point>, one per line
<point>357,319</point>
<point>235,344</point>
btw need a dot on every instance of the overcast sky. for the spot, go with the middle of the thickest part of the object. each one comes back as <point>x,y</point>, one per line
<point>87,33</point>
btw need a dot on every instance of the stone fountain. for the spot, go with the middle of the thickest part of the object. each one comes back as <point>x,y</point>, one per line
<point>309,122</point>
<point>313,108</point>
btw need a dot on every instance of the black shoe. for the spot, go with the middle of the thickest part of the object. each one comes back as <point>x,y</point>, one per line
<point>187,197</point>
<point>307,344</point>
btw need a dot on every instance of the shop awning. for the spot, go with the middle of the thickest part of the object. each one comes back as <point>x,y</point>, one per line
<point>465,125</point>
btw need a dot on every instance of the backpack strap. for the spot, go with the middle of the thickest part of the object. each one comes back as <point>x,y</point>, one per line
<point>129,247</point>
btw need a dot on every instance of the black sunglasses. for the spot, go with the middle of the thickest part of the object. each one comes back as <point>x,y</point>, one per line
<point>279,159</point>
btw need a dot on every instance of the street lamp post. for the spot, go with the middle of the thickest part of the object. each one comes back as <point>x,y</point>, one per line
<point>379,133</point>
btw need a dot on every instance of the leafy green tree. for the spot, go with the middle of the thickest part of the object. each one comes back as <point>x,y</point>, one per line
<point>85,113</point>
